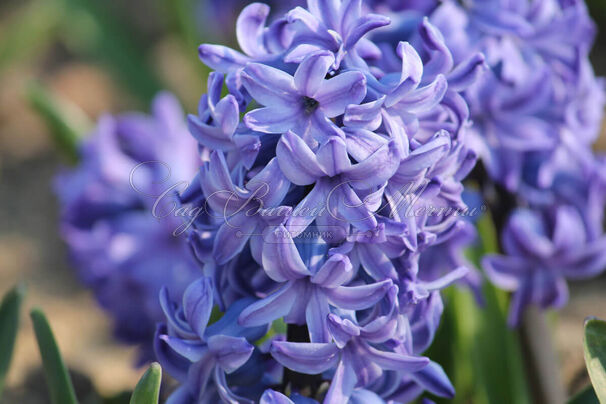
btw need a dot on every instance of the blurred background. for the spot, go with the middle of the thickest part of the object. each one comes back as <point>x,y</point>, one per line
<point>84,58</point>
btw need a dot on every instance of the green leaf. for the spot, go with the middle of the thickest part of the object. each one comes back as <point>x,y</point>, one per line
<point>595,355</point>
<point>9,325</point>
<point>66,122</point>
<point>586,396</point>
<point>148,388</point>
<point>57,377</point>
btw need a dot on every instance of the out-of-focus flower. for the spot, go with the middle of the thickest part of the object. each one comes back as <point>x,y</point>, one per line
<point>120,240</point>
<point>543,250</point>
<point>540,90</point>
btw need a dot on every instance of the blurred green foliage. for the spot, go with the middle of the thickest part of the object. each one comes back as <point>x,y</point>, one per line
<point>9,325</point>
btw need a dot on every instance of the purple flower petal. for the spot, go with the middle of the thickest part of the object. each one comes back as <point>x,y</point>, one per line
<point>230,352</point>
<point>297,161</point>
<point>310,74</point>
<point>396,361</point>
<point>273,119</point>
<point>433,379</point>
<point>310,358</point>
<point>221,58</point>
<point>315,316</point>
<point>250,27</point>
<point>340,91</point>
<point>332,157</point>
<point>382,164</point>
<point>273,397</point>
<point>269,86</point>
<point>358,297</point>
<point>276,305</point>
<point>198,304</point>
<point>336,271</point>
<point>281,260</point>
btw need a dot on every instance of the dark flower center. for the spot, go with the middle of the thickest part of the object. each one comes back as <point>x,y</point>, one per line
<point>310,104</point>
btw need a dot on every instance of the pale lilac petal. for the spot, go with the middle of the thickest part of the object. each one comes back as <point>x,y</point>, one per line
<point>227,114</point>
<point>249,28</point>
<point>362,26</point>
<point>441,59</point>
<point>192,350</point>
<point>198,304</point>
<point>221,58</point>
<point>233,235</point>
<point>315,316</point>
<point>358,297</point>
<point>281,260</point>
<point>336,271</point>
<point>341,330</point>
<point>310,358</point>
<point>272,119</point>
<point>340,91</point>
<point>297,161</point>
<point>375,262</point>
<point>396,361</point>
<point>310,74</point>
<point>362,143</point>
<point>271,308</point>
<point>364,116</point>
<point>230,352</point>
<point>467,72</point>
<point>425,98</point>
<point>351,208</point>
<point>382,164</point>
<point>312,206</point>
<point>342,385</point>
<point>270,185</point>
<point>269,86</point>
<point>210,136</point>
<point>332,157</point>
<point>273,397</point>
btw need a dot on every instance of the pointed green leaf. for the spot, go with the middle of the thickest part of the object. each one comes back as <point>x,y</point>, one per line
<point>586,396</point>
<point>57,377</point>
<point>148,388</point>
<point>595,355</point>
<point>66,122</point>
<point>9,325</point>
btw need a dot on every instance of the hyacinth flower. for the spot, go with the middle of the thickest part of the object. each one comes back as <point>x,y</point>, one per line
<point>108,202</point>
<point>307,227</point>
<point>241,209</point>
<point>216,127</point>
<point>196,352</point>
<point>540,81</point>
<point>542,252</point>
<point>528,128</point>
<point>309,290</point>
<point>304,102</point>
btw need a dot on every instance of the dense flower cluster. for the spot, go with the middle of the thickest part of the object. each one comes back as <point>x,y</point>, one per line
<point>535,115</point>
<point>332,168</point>
<point>123,253</point>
